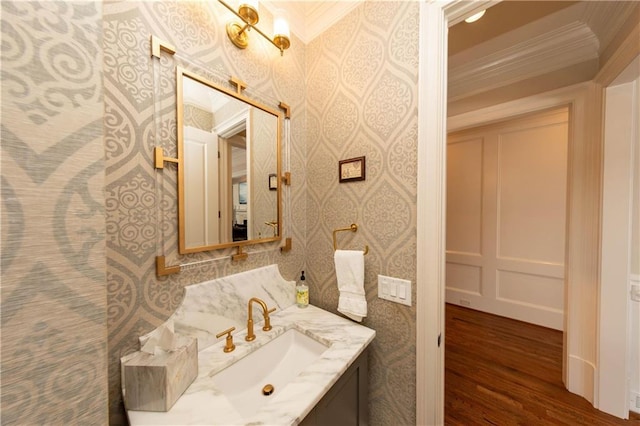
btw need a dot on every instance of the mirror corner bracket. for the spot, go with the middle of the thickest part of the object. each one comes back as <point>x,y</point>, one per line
<point>159,158</point>
<point>162,269</point>
<point>240,255</point>
<point>157,45</point>
<point>239,84</point>
<point>287,245</point>
<point>286,108</point>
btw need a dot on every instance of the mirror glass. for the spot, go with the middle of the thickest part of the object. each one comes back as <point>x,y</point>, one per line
<point>229,151</point>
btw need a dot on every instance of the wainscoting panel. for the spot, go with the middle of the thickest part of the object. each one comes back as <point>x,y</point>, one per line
<point>506,208</point>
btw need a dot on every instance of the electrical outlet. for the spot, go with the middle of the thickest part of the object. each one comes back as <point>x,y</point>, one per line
<point>635,293</point>
<point>394,289</point>
<point>635,402</point>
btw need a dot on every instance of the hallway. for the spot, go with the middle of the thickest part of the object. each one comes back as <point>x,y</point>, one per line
<point>504,372</point>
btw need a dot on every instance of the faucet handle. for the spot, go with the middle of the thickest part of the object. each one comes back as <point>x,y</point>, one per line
<point>267,320</point>
<point>229,346</point>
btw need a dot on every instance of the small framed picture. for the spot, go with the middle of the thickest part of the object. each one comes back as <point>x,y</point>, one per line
<point>273,182</point>
<point>352,169</point>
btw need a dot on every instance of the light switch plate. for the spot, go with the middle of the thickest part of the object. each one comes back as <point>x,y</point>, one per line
<point>394,289</point>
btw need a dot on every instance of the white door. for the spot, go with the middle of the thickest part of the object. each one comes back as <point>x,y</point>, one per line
<point>506,208</point>
<point>201,188</point>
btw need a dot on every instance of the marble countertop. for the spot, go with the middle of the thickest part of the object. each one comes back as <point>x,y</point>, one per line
<point>203,404</point>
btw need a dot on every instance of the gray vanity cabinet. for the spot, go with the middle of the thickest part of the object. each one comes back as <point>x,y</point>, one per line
<point>346,402</point>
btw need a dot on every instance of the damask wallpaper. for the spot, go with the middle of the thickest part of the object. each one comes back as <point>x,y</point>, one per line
<point>54,306</point>
<point>362,77</point>
<point>83,106</point>
<point>198,118</point>
<point>141,202</point>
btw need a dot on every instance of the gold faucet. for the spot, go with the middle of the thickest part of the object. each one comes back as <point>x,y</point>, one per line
<point>265,313</point>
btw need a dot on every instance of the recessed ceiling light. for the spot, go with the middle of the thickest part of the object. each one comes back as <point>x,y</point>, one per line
<point>474,18</point>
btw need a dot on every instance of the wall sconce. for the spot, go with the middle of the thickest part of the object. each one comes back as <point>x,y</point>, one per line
<point>248,13</point>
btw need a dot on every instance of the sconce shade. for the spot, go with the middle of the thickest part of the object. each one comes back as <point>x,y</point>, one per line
<point>281,34</point>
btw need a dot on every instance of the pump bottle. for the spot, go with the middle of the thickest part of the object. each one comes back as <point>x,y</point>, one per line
<point>302,292</point>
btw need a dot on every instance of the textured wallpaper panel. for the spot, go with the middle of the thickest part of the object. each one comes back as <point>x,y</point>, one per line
<point>198,118</point>
<point>54,349</point>
<point>362,100</point>
<point>141,202</point>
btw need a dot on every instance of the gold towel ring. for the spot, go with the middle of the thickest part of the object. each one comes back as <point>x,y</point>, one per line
<point>352,228</point>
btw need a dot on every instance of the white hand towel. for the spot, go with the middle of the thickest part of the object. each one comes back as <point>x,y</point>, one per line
<point>350,274</point>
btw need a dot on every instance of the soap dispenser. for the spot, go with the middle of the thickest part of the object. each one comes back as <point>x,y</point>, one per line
<point>302,292</point>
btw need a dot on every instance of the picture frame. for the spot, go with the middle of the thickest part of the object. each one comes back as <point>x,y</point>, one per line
<point>273,182</point>
<point>352,169</point>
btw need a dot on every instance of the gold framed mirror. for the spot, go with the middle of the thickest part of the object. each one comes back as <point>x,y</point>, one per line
<point>229,148</point>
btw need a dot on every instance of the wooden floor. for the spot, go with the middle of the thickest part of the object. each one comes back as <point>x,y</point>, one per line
<point>500,371</point>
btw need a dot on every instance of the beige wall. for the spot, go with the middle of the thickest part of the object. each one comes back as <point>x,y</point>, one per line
<point>54,307</point>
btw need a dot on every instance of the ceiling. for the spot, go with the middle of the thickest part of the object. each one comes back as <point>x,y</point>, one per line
<point>517,49</point>
<point>500,19</point>
<point>520,48</point>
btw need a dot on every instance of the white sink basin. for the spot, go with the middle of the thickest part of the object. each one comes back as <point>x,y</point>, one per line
<point>277,363</point>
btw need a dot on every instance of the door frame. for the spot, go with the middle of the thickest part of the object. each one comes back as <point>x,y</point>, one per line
<point>582,284</point>
<point>435,18</point>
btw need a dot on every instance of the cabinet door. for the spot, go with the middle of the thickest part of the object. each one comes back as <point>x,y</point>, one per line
<point>346,402</point>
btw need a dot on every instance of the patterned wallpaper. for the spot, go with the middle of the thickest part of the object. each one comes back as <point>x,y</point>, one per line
<point>54,309</point>
<point>362,100</point>
<point>138,197</point>
<point>198,118</point>
<point>82,110</point>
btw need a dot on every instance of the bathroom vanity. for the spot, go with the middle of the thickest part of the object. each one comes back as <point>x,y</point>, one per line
<point>310,368</point>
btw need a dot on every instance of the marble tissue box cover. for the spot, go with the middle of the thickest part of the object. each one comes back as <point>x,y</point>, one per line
<point>214,306</point>
<point>155,382</point>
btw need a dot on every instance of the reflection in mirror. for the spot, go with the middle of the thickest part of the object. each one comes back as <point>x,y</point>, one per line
<point>229,146</point>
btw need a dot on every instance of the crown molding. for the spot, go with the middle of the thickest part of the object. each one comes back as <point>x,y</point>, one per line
<point>628,50</point>
<point>606,18</point>
<point>309,19</point>
<point>569,44</point>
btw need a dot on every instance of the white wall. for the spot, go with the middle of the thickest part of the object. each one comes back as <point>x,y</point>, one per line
<point>506,211</point>
<point>619,331</point>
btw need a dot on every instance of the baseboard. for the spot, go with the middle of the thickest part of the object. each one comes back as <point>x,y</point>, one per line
<point>580,377</point>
